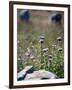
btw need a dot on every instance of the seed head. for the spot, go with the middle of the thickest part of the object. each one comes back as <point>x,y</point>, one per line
<point>50,59</point>
<point>41,41</point>
<point>50,56</point>
<point>42,37</point>
<point>45,49</point>
<point>60,49</point>
<point>59,39</point>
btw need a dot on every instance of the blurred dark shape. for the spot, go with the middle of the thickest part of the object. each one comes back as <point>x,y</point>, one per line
<point>56,18</point>
<point>44,78</point>
<point>24,15</point>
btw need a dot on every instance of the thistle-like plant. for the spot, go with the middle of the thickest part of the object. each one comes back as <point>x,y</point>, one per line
<point>41,41</point>
<point>45,54</point>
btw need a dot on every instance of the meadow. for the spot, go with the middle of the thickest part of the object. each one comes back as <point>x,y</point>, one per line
<point>40,43</point>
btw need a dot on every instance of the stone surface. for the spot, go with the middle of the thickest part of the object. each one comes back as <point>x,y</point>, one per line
<point>41,74</point>
<point>28,73</point>
<point>22,74</point>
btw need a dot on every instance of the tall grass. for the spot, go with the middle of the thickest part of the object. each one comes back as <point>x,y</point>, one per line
<point>28,36</point>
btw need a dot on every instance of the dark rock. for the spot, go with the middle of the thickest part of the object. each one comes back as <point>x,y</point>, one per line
<point>44,78</point>
<point>21,77</point>
<point>24,15</point>
<point>22,74</point>
<point>30,69</point>
<point>56,18</point>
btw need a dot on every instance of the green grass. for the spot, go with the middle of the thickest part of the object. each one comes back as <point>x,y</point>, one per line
<point>28,34</point>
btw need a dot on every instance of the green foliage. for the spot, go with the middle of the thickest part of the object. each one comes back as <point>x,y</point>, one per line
<point>57,67</point>
<point>28,34</point>
<point>19,65</point>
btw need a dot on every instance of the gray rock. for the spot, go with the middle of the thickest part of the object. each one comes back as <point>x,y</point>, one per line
<point>41,74</point>
<point>22,74</point>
